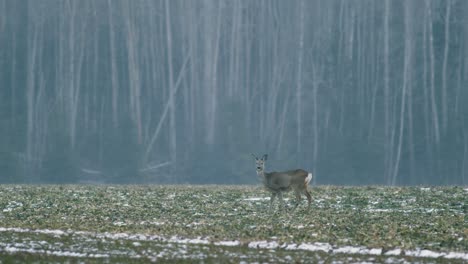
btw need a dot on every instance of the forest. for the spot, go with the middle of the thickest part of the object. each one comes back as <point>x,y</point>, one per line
<point>360,92</point>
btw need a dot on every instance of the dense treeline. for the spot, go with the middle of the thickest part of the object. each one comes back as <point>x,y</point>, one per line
<point>359,92</point>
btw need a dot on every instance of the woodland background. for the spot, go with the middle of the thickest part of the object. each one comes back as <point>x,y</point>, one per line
<point>119,91</point>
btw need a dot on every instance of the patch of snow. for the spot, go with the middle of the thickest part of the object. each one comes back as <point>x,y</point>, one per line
<point>375,251</point>
<point>193,224</point>
<point>393,252</point>
<point>379,210</point>
<point>419,210</point>
<point>13,249</point>
<point>290,247</point>
<point>424,254</point>
<point>257,199</point>
<point>325,247</point>
<point>137,238</point>
<point>263,244</point>
<point>227,243</point>
<point>358,250</point>
<point>119,223</point>
<point>456,255</point>
<point>348,250</point>
<point>179,240</point>
<point>12,206</point>
<point>151,223</point>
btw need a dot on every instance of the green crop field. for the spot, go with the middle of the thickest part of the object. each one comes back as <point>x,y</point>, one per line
<point>218,224</point>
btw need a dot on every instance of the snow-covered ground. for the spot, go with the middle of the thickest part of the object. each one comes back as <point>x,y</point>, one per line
<point>84,239</point>
<point>366,224</point>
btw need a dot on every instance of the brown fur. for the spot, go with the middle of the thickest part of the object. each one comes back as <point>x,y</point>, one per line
<point>279,182</point>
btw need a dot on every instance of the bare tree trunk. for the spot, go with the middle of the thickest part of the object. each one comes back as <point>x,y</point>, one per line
<point>316,116</point>
<point>300,56</point>
<point>211,51</point>
<point>270,116</point>
<point>405,86</point>
<point>444,65</point>
<point>194,75</point>
<point>171,102</point>
<point>13,82</point>
<point>114,72</point>
<point>134,72</point>
<point>30,103</point>
<point>425,86</point>
<point>76,93</point>
<point>234,49</point>
<point>410,134</point>
<point>70,75</point>
<point>214,77</point>
<point>282,124</point>
<point>374,70</point>
<point>435,114</point>
<point>387,99</point>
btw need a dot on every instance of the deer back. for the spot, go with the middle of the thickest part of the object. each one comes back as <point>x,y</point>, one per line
<point>284,181</point>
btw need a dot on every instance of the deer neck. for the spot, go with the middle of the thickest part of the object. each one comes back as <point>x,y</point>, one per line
<point>261,173</point>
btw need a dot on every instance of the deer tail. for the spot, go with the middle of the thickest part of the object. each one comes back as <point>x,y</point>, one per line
<point>308,178</point>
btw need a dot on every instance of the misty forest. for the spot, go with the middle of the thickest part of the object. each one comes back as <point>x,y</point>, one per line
<point>178,91</point>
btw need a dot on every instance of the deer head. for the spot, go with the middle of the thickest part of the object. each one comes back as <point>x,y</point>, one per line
<point>260,164</point>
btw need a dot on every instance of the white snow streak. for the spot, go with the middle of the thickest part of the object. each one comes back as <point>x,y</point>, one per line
<point>263,244</point>
<point>314,247</point>
<point>254,199</point>
<point>227,243</point>
<point>12,249</point>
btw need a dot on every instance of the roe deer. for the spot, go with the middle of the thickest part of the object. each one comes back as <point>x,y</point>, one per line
<point>279,182</point>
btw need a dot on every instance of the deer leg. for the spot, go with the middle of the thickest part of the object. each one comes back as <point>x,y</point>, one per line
<point>298,197</point>
<point>280,196</point>
<point>272,199</point>
<point>309,197</point>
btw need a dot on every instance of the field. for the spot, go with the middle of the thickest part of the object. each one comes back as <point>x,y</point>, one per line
<point>219,224</point>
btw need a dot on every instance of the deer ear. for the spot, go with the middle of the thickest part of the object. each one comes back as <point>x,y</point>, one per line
<point>265,157</point>
<point>254,156</point>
